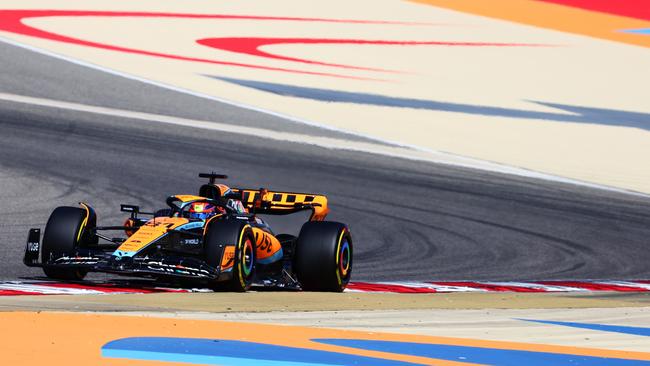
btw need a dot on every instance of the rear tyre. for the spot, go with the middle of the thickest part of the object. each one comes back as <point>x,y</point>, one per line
<point>323,256</point>
<point>63,233</point>
<point>224,233</point>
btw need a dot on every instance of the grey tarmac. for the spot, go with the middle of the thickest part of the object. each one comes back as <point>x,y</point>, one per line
<point>410,220</point>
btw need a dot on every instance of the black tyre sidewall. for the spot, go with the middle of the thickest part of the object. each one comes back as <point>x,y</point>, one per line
<point>316,253</point>
<point>228,232</point>
<point>60,238</point>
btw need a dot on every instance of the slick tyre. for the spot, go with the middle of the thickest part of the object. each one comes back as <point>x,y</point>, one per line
<point>62,236</point>
<point>323,256</point>
<point>219,236</point>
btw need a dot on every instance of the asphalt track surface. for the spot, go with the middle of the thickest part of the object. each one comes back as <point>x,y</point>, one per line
<point>410,220</point>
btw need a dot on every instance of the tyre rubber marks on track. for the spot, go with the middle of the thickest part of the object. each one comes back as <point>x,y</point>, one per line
<point>14,288</point>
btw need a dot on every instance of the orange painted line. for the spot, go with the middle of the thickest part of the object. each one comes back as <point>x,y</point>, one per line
<point>553,16</point>
<point>77,338</point>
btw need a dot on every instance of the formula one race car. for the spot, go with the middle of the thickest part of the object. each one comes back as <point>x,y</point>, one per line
<point>214,237</point>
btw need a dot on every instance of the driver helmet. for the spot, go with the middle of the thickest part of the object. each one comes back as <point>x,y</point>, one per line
<point>202,210</point>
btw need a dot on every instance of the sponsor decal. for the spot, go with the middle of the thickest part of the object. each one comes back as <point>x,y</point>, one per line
<point>193,241</point>
<point>176,268</point>
<point>236,205</point>
<point>264,243</point>
<point>76,260</point>
<point>191,225</point>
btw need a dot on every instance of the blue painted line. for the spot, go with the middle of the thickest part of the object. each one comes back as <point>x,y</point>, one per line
<point>637,31</point>
<point>577,114</point>
<point>200,359</point>
<point>231,353</point>
<point>601,327</point>
<point>488,356</point>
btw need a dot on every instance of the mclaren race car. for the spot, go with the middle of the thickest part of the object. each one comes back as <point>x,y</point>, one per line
<point>215,237</point>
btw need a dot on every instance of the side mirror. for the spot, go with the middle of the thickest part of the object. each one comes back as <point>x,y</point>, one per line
<point>134,210</point>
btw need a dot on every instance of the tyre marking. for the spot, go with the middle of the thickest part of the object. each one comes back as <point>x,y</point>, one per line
<point>248,247</point>
<point>345,250</point>
<point>338,249</point>
<point>85,221</point>
<point>241,257</point>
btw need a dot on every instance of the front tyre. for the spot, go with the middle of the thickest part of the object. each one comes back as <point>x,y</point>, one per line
<point>323,256</point>
<point>222,234</point>
<point>64,231</point>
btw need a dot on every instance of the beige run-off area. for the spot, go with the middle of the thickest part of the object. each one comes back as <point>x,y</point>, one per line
<point>557,103</point>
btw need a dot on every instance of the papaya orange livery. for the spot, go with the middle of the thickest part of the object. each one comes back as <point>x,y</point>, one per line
<point>268,248</point>
<point>149,232</point>
<point>228,258</point>
<point>285,202</point>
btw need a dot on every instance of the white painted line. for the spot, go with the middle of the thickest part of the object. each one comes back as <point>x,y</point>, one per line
<point>632,284</point>
<point>537,286</point>
<point>325,142</point>
<point>187,91</point>
<point>438,287</point>
<point>400,150</point>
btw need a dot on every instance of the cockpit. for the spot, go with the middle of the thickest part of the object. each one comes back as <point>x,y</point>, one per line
<point>201,208</point>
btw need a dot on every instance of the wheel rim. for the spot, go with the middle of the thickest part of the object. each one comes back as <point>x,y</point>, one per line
<point>247,258</point>
<point>344,259</point>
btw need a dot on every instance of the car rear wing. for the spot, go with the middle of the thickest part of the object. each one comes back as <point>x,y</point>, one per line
<point>263,201</point>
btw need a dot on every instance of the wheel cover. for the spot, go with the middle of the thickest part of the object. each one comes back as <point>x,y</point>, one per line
<point>247,259</point>
<point>344,258</point>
